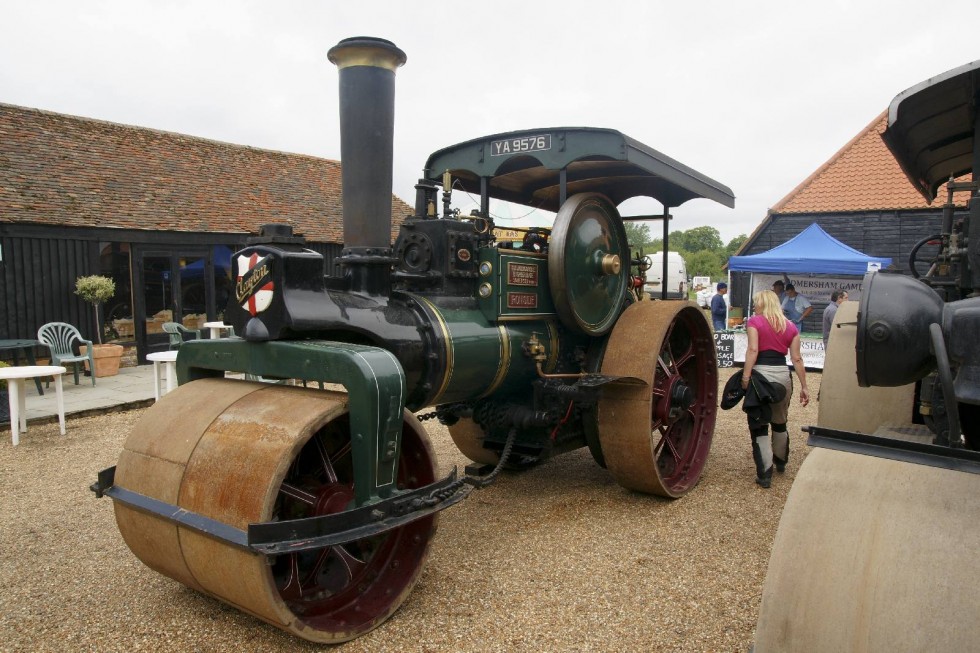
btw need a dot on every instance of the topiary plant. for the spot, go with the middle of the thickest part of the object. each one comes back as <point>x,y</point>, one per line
<point>95,290</point>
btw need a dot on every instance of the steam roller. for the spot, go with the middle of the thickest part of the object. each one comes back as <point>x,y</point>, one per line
<point>876,547</point>
<point>314,509</point>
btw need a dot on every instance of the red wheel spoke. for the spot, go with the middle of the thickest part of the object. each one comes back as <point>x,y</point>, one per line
<point>292,587</point>
<point>313,574</point>
<point>684,358</point>
<point>665,439</point>
<point>353,563</point>
<point>298,493</point>
<point>325,463</point>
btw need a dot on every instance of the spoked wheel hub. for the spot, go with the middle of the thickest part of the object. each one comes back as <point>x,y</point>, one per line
<point>676,400</point>
<point>655,438</point>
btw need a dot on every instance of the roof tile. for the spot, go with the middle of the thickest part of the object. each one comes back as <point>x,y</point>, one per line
<point>57,169</point>
<point>863,175</point>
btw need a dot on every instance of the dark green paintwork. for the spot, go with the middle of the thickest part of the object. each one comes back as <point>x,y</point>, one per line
<point>597,160</point>
<point>496,305</point>
<point>481,357</point>
<point>373,377</point>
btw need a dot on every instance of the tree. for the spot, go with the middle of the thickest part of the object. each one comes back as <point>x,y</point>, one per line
<point>95,289</point>
<point>735,243</point>
<point>677,240</point>
<point>702,238</point>
<point>705,263</point>
<point>637,235</point>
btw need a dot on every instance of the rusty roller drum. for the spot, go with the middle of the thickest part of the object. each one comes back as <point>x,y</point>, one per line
<point>656,438</point>
<point>244,453</point>
<point>873,555</point>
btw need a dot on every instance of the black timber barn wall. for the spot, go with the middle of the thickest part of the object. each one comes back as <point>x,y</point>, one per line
<point>40,264</point>
<point>37,283</point>
<point>876,233</point>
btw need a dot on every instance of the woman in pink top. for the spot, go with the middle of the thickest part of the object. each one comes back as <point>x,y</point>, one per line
<point>771,335</point>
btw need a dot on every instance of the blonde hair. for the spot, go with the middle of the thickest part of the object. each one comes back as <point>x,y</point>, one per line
<point>766,303</point>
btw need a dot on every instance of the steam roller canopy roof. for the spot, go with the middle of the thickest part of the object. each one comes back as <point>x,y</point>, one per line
<point>931,128</point>
<point>525,168</point>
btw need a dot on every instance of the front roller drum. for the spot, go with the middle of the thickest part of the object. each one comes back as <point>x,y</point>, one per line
<point>873,554</point>
<point>243,453</point>
<point>655,438</point>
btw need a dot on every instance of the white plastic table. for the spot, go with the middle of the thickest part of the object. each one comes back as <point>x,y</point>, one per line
<point>217,328</point>
<point>169,361</point>
<point>15,377</point>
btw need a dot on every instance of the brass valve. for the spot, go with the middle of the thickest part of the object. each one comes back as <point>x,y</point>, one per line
<point>536,349</point>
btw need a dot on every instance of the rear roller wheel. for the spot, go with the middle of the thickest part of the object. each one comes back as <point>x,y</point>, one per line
<point>468,437</point>
<point>242,453</point>
<point>656,438</point>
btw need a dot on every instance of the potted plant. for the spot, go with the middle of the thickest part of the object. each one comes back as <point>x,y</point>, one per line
<point>4,399</point>
<point>96,290</point>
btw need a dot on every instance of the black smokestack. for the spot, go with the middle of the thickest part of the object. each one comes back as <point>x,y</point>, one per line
<point>367,124</point>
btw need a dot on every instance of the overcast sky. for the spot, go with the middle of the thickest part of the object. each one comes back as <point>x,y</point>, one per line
<point>756,95</point>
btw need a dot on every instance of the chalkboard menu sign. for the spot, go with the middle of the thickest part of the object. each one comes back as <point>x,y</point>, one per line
<point>725,348</point>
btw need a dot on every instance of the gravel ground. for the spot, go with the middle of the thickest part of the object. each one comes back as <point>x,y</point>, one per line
<point>556,558</point>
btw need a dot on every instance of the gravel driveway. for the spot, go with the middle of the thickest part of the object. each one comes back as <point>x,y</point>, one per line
<point>556,558</point>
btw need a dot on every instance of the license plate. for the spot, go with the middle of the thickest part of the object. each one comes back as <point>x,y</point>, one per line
<point>523,144</point>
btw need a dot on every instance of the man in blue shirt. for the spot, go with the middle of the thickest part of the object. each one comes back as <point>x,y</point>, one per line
<point>719,310</point>
<point>795,307</point>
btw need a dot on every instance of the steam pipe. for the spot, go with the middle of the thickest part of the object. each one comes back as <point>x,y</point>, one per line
<point>367,123</point>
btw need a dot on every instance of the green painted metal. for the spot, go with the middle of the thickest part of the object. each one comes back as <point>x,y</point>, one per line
<point>587,229</point>
<point>524,167</point>
<point>518,285</point>
<point>373,377</point>
<point>480,356</point>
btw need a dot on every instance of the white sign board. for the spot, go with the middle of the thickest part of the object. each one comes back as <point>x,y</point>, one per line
<point>810,348</point>
<point>815,289</point>
<point>701,283</point>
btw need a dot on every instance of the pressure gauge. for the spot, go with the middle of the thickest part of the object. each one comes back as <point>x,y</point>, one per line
<point>485,290</point>
<point>486,268</point>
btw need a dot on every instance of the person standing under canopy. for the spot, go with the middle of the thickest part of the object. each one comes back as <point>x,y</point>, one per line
<point>795,307</point>
<point>719,309</point>
<point>837,298</point>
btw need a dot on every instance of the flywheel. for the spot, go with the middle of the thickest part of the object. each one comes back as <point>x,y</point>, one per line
<point>588,264</point>
<point>242,453</point>
<point>656,438</point>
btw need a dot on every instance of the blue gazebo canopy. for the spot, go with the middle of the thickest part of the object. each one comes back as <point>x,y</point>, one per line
<point>812,251</point>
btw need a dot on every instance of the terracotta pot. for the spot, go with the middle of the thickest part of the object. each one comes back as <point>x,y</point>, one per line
<point>106,357</point>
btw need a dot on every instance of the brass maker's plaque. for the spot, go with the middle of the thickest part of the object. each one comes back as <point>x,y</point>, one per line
<point>522,274</point>
<point>522,300</point>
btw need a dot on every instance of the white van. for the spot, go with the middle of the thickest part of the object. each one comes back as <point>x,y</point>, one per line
<point>676,276</point>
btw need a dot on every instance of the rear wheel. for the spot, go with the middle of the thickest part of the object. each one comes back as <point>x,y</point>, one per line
<point>656,438</point>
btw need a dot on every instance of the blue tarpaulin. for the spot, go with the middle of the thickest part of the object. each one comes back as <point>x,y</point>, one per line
<point>813,251</point>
